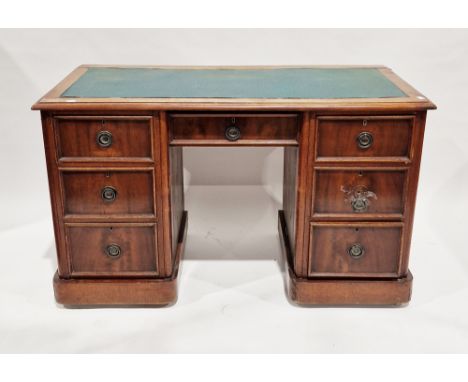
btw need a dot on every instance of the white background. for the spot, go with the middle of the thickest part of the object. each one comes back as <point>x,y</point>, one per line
<point>231,290</point>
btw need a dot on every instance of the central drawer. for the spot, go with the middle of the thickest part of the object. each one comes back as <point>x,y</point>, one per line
<point>233,129</point>
<point>105,193</point>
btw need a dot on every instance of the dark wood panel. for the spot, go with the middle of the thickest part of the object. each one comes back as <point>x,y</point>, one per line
<point>88,248</point>
<point>78,137</point>
<point>125,292</point>
<point>55,189</point>
<point>304,187</point>
<point>83,192</point>
<point>290,191</point>
<point>177,193</point>
<point>359,249</point>
<point>359,193</point>
<point>192,129</point>
<point>165,194</point>
<point>339,137</point>
<point>412,188</point>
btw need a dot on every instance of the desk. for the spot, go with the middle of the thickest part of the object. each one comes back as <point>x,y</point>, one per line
<point>352,139</point>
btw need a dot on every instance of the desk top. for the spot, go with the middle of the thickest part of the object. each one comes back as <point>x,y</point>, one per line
<point>231,87</point>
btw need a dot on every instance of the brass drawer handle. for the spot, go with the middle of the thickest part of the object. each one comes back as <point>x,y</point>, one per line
<point>359,197</point>
<point>360,203</point>
<point>356,251</point>
<point>113,250</point>
<point>108,194</point>
<point>232,133</point>
<point>104,139</point>
<point>364,140</point>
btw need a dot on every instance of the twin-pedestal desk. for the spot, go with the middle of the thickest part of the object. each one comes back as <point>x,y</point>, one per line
<point>352,139</point>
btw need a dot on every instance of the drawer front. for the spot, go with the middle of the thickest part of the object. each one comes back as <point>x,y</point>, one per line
<point>359,193</point>
<point>112,250</point>
<point>355,249</point>
<point>360,137</point>
<point>108,193</point>
<point>234,128</point>
<point>104,137</point>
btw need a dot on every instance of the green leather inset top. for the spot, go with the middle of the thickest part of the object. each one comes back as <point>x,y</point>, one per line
<point>275,83</point>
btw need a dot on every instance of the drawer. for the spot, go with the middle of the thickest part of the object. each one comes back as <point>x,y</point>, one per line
<point>87,138</point>
<point>104,193</point>
<point>358,193</point>
<point>364,137</point>
<point>112,250</point>
<point>226,129</point>
<point>355,249</point>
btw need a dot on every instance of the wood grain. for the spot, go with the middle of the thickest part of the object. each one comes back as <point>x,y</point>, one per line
<point>82,192</point>
<point>361,292</point>
<point>290,173</point>
<point>330,243</point>
<point>85,292</point>
<point>165,195</point>
<point>190,129</point>
<point>177,193</point>
<point>412,186</point>
<point>333,192</point>
<point>87,246</point>
<point>77,137</point>
<point>337,137</point>
<point>56,195</point>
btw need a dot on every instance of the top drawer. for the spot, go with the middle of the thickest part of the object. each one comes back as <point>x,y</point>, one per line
<point>102,137</point>
<point>364,137</point>
<point>234,129</point>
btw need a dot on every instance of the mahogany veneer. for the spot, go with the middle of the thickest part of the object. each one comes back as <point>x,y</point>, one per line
<point>256,129</point>
<point>133,192</point>
<point>336,137</point>
<point>131,137</point>
<point>352,139</point>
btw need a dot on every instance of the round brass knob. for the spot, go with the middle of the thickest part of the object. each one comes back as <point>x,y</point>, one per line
<point>108,194</point>
<point>356,251</point>
<point>232,133</point>
<point>364,140</point>
<point>104,139</point>
<point>113,250</point>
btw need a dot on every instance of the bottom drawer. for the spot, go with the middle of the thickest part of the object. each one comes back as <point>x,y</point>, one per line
<point>112,250</point>
<point>355,249</point>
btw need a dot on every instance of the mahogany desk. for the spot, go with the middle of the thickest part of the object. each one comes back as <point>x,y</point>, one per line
<point>352,139</point>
